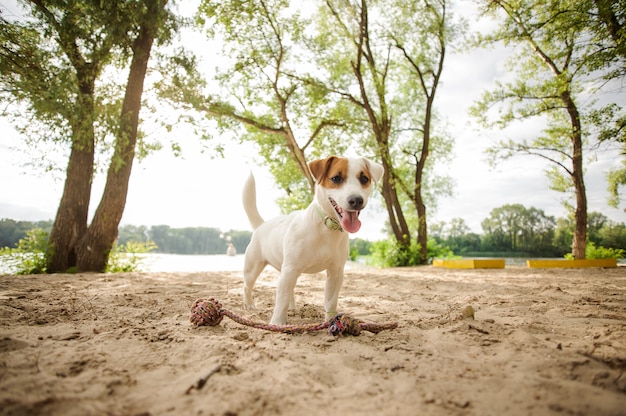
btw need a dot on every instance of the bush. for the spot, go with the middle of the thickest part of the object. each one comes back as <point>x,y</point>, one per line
<point>127,257</point>
<point>439,251</point>
<point>389,253</point>
<point>599,252</point>
<point>29,257</point>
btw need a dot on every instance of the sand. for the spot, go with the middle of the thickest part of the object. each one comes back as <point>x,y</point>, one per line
<point>542,342</point>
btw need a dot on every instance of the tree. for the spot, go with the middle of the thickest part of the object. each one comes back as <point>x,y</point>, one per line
<point>386,58</point>
<point>612,235</point>
<point>563,234</point>
<point>537,233</point>
<point>294,110</point>
<point>11,231</point>
<point>51,63</point>
<point>553,65</point>
<point>596,221</point>
<point>56,81</point>
<point>94,247</point>
<point>606,20</point>
<point>606,233</point>
<point>515,228</point>
<point>138,234</point>
<point>424,50</point>
<point>458,237</point>
<point>349,35</point>
<point>504,226</point>
<point>259,93</point>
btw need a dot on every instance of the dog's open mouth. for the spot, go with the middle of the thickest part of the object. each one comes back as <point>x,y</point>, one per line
<point>349,219</point>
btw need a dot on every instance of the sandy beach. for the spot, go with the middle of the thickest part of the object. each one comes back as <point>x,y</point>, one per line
<point>541,342</point>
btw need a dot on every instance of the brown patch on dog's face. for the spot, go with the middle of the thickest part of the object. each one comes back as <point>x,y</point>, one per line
<point>365,177</point>
<point>330,172</point>
<point>333,172</point>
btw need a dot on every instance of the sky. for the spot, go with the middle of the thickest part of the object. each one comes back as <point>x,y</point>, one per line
<point>198,190</point>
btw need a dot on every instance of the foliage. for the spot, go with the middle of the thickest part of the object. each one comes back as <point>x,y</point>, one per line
<point>11,231</point>
<point>611,234</point>
<point>556,67</point>
<point>189,240</point>
<point>437,250</point>
<point>62,65</point>
<point>514,230</point>
<point>615,179</point>
<point>599,252</point>
<point>291,84</point>
<point>517,228</point>
<point>552,239</point>
<point>28,257</point>
<point>456,237</point>
<point>389,253</point>
<point>385,60</point>
<point>127,257</point>
<point>262,94</point>
<point>359,247</point>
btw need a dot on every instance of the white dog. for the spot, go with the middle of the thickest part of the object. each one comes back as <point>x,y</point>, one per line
<point>313,239</point>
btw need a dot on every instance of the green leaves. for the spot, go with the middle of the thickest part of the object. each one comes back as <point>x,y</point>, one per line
<point>28,257</point>
<point>264,88</point>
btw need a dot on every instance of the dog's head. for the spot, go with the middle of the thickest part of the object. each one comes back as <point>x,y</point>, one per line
<point>343,186</point>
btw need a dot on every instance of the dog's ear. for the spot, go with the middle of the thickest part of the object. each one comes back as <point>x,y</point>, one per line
<point>375,169</point>
<point>319,168</point>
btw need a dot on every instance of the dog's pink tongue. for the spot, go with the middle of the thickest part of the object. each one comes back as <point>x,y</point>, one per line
<point>350,221</point>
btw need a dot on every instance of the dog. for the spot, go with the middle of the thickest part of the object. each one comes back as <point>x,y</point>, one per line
<point>313,239</point>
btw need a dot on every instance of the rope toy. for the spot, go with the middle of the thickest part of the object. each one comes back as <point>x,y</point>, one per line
<point>209,312</point>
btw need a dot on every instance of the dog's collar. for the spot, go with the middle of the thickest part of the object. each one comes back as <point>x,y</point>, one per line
<point>329,221</point>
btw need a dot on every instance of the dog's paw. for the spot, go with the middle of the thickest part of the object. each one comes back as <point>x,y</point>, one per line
<point>278,321</point>
<point>250,307</point>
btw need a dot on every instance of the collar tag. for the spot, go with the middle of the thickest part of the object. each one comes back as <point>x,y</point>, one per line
<point>329,221</point>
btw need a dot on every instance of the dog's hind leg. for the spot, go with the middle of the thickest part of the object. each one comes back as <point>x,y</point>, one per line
<point>251,272</point>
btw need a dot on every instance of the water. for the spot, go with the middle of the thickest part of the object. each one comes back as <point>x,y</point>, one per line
<point>159,262</point>
<point>171,263</point>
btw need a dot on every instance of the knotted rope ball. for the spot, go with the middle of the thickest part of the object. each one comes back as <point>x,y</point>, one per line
<point>206,312</point>
<point>209,312</point>
<point>342,323</point>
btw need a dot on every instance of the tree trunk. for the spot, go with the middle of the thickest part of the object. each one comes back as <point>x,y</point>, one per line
<point>298,154</point>
<point>389,192</point>
<point>94,249</point>
<point>420,206</point>
<point>422,230</point>
<point>70,223</point>
<point>579,242</point>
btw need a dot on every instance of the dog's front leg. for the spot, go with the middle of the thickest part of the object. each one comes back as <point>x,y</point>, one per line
<point>334,280</point>
<point>284,295</point>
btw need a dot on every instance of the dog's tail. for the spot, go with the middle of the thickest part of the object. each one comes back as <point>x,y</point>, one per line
<point>249,203</point>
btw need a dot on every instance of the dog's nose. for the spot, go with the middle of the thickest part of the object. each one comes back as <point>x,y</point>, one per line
<point>355,202</point>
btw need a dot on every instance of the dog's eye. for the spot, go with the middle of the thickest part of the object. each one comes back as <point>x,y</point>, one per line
<point>363,179</point>
<point>337,179</point>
